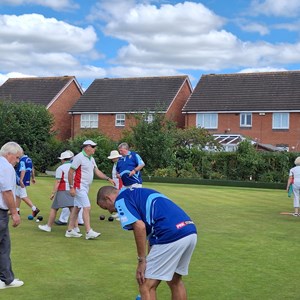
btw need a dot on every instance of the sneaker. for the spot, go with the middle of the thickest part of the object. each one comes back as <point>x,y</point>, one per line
<point>92,234</point>
<point>72,233</point>
<point>77,229</point>
<point>45,228</point>
<point>35,212</point>
<point>58,222</point>
<point>14,283</point>
<point>295,215</point>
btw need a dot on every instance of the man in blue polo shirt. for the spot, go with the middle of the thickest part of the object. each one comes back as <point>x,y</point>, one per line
<point>129,167</point>
<point>171,234</point>
<point>25,174</point>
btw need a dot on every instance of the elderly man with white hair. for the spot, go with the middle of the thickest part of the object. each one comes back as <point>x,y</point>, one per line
<point>10,154</point>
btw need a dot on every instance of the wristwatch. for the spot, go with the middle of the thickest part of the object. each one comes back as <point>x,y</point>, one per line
<point>141,258</point>
<point>71,185</point>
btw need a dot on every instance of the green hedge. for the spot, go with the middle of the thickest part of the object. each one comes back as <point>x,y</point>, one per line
<point>237,183</point>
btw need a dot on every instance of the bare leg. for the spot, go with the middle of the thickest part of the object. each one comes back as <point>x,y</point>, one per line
<point>148,289</point>
<point>86,218</point>
<point>28,201</point>
<point>73,217</point>
<point>177,288</point>
<point>52,216</point>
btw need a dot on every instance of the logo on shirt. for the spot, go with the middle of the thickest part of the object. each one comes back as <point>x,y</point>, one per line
<point>184,223</point>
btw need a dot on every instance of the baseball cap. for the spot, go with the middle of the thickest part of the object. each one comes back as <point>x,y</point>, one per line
<point>89,142</point>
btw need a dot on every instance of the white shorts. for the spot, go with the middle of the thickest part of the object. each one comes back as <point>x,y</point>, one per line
<point>21,192</point>
<point>81,198</point>
<point>166,259</point>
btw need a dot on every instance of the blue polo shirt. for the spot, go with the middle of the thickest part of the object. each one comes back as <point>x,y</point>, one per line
<point>165,221</point>
<point>126,164</point>
<point>25,164</point>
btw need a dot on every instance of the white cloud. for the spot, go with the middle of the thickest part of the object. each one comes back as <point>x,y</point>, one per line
<point>266,69</point>
<point>286,8</point>
<point>188,36</point>
<point>256,27</point>
<point>53,4</point>
<point>4,77</point>
<point>140,72</point>
<point>33,44</point>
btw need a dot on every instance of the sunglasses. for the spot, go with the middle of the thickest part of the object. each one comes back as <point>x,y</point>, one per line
<point>93,146</point>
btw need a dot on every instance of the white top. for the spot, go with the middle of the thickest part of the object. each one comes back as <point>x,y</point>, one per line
<point>7,180</point>
<point>295,172</point>
<point>84,166</point>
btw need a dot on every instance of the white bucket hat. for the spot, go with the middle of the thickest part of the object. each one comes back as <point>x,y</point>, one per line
<point>65,155</point>
<point>114,154</point>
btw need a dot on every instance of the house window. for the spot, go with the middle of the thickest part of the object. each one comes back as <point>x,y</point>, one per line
<point>89,121</point>
<point>207,120</point>
<point>149,118</point>
<point>120,119</point>
<point>246,119</point>
<point>280,121</point>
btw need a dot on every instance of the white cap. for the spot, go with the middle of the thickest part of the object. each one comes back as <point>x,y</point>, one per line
<point>89,142</point>
<point>114,154</point>
<point>65,155</point>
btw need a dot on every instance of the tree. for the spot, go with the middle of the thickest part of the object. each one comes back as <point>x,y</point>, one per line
<point>154,141</point>
<point>29,125</point>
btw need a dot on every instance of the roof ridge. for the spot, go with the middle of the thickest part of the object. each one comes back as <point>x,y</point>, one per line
<point>142,77</point>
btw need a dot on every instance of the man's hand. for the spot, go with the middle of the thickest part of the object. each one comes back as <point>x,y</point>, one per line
<point>72,191</point>
<point>16,219</point>
<point>140,272</point>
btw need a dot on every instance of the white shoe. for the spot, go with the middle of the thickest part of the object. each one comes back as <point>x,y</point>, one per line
<point>72,233</point>
<point>45,228</point>
<point>77,229</point>
<point>115,215</point>
<point>92,234</point>
<point>14,283</point>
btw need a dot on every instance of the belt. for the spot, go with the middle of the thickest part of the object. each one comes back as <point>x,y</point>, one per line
<point>3,209</point>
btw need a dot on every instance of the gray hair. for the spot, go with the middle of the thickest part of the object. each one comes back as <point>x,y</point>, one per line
<point>123,146</point>
<point>297,161</point>
<point>11,148</point>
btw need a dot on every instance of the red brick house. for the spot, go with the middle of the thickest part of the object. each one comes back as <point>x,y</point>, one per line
<point>262,106</point>
<point>58,94</point>
<point>108,105</point>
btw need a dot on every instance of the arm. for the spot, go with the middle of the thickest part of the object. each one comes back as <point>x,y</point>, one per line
<point>101,175</point>
<point>9,199</point>
<point>71,183</point>
<point>136,169</point>
<point>22,174</point>
<point>33,175</point>
<point>139,230</point>
<point>55,189</point>
<point>290,180</point>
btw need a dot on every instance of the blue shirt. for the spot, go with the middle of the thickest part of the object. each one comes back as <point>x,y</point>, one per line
<point>25,164</point>
<point>126,164</point>
<point>165,221</point>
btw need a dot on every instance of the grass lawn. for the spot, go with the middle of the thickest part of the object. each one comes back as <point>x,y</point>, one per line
<point>246,249</point>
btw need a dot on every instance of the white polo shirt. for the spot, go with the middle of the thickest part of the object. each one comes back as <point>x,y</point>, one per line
<point>7,179</point>
<point>84,170</point>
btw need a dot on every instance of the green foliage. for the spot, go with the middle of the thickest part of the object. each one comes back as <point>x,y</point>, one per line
<point>104,146</point>
<point>153,141</point>
<point>30,126</point>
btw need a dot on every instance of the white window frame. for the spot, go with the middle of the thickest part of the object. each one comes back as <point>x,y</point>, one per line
<point>281,120</point>
<point>245,119</point>
<point>89,121</point>
<point>120,120</point>
<point>149,118</point>
<point>207,120</point>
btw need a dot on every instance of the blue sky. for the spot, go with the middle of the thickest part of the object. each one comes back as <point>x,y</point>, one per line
<point>132,38</point>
